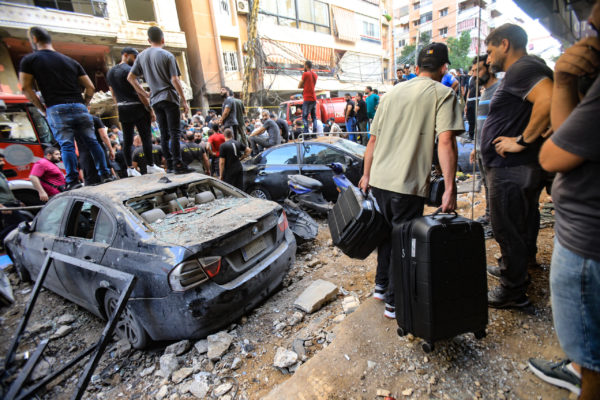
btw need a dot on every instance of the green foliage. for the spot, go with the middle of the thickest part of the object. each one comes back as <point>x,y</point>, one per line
<point>408,53</point>
<point>458,50</point>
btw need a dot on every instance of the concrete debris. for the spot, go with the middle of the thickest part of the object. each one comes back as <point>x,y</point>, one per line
<point>43,368</point>
<point>296,318</point>
<point>383,392</point>
<point>222,389</point>
<point>313,263</point>
<point>178,348</point>
<point>350,304</point>
<point>62,331</point>
<point>218,344</point>
<point>339,318</point>
<point>200,387</point>
<point>122,348</point>
<point>236,363</point>
<point>407,392</point>
<point>284,358</point>
<point>39,327</point>
<point>371,364</point>
<point>316,295</point>
<point>162,392</point>
<point>181,374</point>
<point>65,319</point>
<point>147,371</point>
<point>201,346</point>
<point>298,347</point>
<point>168,364</point>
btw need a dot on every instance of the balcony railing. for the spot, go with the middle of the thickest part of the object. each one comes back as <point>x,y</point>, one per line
<point>96,8</point>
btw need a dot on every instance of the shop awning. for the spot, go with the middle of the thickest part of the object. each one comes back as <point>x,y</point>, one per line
<point>346,27</point>
<point>294,53</point>
<point>317,54</point>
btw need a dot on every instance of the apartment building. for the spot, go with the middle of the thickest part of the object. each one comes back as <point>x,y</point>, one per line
<point>349,43</point>
<point>441,19</point>
<point>93,32</point>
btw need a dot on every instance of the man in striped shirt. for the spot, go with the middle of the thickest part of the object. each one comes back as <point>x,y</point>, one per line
<point>489,82</point>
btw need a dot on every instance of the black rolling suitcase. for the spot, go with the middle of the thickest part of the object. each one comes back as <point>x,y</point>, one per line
<point>356,225</point>
<point>440,278</point>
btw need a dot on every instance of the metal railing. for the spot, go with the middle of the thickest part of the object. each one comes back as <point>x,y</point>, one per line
<point>97,8</point>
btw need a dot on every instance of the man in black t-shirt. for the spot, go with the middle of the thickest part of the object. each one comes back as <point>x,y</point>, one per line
<point>361,117</point>
<point>259,143</point>
<point>230,167</point>
<point>132,112</point>
<point>519,114</point>
<point>60,78</point>
<point>192,151</point>
<point>350,117</point>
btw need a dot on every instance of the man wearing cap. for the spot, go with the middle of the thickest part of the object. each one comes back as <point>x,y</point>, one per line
<point>404,143</point>
<point>132,112</point>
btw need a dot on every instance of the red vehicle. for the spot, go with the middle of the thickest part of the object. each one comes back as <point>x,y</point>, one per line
<point>326,108</point>
<point>24,133</point>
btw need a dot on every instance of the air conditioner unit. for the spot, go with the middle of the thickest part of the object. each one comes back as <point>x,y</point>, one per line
<point>242,6</point>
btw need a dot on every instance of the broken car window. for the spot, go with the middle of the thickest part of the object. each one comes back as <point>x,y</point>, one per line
<point>49,218</point>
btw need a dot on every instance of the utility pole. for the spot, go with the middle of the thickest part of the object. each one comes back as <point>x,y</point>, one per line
<point>250,65</point>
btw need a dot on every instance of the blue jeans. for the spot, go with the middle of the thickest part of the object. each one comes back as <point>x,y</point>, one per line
<point>575,289</point>
<point>309,107</point>
<point>70,121</point>
<point>351,127</point>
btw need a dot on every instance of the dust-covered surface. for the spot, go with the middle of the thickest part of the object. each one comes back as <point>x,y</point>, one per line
<point>209,221</point>
<point>340,356</point>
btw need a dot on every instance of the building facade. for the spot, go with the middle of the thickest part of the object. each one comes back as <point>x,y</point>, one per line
<point>349,43</point>
<point>93,32</point>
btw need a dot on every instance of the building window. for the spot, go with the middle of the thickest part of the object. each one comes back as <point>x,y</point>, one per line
<point>444,32</point>
<point>443,12</point>
<point>416,22</point>
<point>426,17</point>
<point>312,15</point>
<point>140,10</point>
<point>402,43</point>
<point>230,61</point>
<point>96,8</point>
<point>416,6</point>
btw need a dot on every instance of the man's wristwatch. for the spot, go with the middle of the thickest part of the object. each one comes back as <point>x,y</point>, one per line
<point>521,141</point>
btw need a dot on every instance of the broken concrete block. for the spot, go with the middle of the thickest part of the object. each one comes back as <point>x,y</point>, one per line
<point>298,347</point>
<point>42,368</point>
<point>222,389</point>
<point>122,348</point>
<point>147,371</point>
<point>201,346</point>
<point>284,358</point>
<point>218,344</point>
<point>181,374</point>
<point>316,295</point>
<point>168,364</point>
<point>65,319</point>
<point>350,304</point>
<point>200,386</point>
<point>178,348</point>
<point>296,318</point>
<point>383,392</point>
<point>62,331</point>
<point>162,392</point>
<point>236,363</point>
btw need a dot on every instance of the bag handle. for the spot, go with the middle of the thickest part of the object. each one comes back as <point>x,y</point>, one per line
<point>439,210</point>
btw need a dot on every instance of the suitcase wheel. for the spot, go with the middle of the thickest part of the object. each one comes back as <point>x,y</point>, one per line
<point>427,347</point>
<point>401,332</point>
<point>480,334</point>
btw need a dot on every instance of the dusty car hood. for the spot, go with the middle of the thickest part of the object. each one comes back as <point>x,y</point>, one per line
<point>211,220</point>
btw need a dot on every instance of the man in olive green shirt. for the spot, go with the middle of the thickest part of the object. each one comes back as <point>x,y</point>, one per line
<point>397,166</point>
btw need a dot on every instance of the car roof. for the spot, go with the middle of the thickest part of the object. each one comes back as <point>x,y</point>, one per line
<point>124,189</point>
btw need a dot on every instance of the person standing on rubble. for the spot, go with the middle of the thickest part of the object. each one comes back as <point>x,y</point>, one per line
<point>132,112</point>
<point>404,143</point>
<point>511,137</point>
<point>60,79</point>
<point>161,72</point>
<point>309,98</point>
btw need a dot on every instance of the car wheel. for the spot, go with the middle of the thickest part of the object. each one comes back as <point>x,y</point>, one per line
<point>128,326</point>
<point>22,272</point>
<point>260,193</point>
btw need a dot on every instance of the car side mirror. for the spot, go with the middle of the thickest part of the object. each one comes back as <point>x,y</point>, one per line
<point>25,227</point>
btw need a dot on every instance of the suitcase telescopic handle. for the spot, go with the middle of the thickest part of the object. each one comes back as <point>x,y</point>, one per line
<point>454,214</point>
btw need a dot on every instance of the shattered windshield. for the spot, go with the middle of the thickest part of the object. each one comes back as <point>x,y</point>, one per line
<point>347,145</point>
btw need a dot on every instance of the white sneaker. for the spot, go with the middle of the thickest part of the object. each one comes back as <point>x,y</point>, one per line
<point>133,172</point>
<point>153,169</point>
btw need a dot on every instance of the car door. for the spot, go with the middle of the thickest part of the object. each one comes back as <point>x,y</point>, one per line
<point>315,160</point>
<point>89,231</point>
<point>274,168</point>
<point>46,229</point>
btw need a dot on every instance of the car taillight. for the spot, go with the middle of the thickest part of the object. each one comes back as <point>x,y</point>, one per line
<point>282,223</point>
<point>187,275</point>
<point>211,265</point>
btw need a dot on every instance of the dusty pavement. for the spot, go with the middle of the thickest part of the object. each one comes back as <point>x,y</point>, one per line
<point>341,356</point>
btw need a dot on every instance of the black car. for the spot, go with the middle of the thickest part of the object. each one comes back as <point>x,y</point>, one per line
<point>203,252</point>
<point>266,175</point>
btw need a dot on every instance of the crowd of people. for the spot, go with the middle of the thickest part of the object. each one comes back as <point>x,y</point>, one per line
<point>531,123</point>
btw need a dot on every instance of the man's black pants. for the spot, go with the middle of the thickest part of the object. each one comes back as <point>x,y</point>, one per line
<point>514,211</point>
<point>169,118</point>
<point>396,209</point>
<point>131,117</point>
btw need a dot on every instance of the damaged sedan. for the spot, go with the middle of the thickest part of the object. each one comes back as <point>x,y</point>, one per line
<point>203,252</point>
